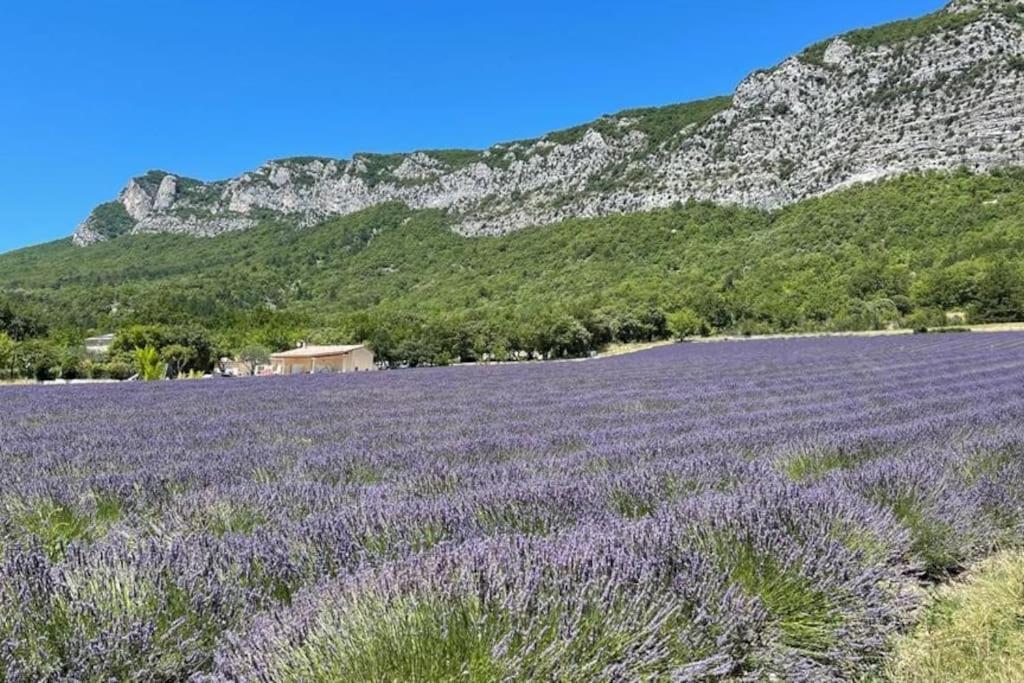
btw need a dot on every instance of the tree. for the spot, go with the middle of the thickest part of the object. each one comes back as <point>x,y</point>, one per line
<point>685,323</point>
<point>69,361</point>
<point>202,355</point>
<point>20,324</point>
<point>178,357</point>
<point>8,353</point>
<point>567,338</point>
<point>40,360</point>
<point>1000,294</point>
<point>150,367</point>
<point>254,355</point>
<point>924,318</point>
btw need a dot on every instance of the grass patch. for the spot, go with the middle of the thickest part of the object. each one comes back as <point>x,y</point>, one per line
<point>392,543</point>
<point>360,474</point>
<point>94,622</point>
<point>932,540</point>
<point>806,620</point>
<point>633,504</point>
<point>423,636</point>
<point>860,540</point>
<point>55,526</point>
<point>227,518</point>
<point>408,640</point>
<point>974,630</point>
<point>523,518</point>
<point>987,463</point>
<point>804,616</point>
<point>811,466</point>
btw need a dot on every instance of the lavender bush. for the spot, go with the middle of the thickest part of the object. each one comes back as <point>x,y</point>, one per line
<point>697,512</point>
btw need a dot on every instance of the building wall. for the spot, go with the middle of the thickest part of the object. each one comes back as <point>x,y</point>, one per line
<point>362,360</point>
<point>359,360</point>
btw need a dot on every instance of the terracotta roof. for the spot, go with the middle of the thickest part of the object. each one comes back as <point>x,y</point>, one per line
<point>317,351</point>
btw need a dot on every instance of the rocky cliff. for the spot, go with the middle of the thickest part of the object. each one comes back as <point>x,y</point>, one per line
<point>940,92</point>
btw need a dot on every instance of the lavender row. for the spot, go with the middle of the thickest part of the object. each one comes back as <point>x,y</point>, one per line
<point>690,513</point>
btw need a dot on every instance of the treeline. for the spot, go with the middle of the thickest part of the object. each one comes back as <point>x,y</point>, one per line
<point>176,351</point>
<point>906,252</point>
<point>398,339</point>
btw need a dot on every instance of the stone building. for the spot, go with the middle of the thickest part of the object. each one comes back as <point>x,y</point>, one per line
<point>313,359</point>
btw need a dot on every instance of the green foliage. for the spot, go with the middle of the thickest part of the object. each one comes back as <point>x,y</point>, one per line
<point>377,168</point>
<point>419,640</point>
<point>896,32</point>
<point>19,320</point>
<point>183,348</point>
<point>150,182</point>
<point>685,323</point>
<point>811,466</point>
<point>429,637</point>
<point>111,219</point>
<point>658,123</point>
<point>455,158</point>
<point>150,367</point>
<point>177,357</point>
<point>39,360</point>
<point>932,541</point>
<point>92,602</point>
<point>999,293</point>
<point>54,526</point>
<point>923,319</point>
<point>902,252</point>
<point>8,349</point>
<point>803,615</point>
<point>909,29</point>
<point>254,355</point>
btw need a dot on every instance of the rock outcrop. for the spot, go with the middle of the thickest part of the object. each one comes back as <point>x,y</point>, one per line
<point>942,92</point>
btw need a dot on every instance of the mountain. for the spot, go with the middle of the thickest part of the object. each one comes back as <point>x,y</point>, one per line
<point>904,251</point>
<point>874,180</point>
<point>937,93</point>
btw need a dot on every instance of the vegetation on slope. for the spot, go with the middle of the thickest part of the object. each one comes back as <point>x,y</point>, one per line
<point>111,220</point>
<point>901,252</point>
<point>659,124</point>
<point>896,32</point>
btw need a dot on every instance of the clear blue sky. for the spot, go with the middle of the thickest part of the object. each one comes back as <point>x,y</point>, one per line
<point>92,93</point>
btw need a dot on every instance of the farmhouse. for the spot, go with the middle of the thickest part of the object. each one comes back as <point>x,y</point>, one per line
<point>310,359</point>
<point>97,347</point>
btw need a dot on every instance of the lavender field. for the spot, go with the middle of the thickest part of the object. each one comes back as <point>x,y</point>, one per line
<point>698,512</point>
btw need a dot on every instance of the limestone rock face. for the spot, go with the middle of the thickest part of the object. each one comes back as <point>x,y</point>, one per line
<point>85,234</point>
<point>853,110</point>
<point>136,200</point>
<point>839,53</point>
<point>165,193</point>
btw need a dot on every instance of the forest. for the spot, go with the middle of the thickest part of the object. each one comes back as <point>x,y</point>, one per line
<point>900,253</point>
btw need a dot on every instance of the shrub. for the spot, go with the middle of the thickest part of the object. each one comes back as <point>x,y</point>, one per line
<point>149,365</point>
<point>686,323</point>
<point>923,319</point>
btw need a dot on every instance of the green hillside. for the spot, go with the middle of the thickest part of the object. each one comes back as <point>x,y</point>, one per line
<point>901,252</point>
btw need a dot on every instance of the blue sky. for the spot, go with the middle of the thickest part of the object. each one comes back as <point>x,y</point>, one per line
<point>94,93</point>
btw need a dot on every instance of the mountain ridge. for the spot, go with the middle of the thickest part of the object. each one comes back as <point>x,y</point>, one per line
<point>936,93</point>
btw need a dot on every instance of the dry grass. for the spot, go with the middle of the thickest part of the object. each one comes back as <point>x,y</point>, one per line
<point>974,630</point>
<point>998,327</point>
<point>618,349</point>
